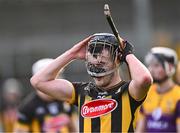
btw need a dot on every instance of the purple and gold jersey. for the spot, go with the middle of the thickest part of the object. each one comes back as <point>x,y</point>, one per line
<point>161,111</point>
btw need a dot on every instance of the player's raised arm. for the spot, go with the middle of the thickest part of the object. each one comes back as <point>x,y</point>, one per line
<point>140,75</point>
<point>141,78</point>
<point>45,80</point>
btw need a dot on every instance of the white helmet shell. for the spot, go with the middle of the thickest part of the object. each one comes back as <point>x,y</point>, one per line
<point>166,52</point>
<point>40,64</point>
<point>164,55</point>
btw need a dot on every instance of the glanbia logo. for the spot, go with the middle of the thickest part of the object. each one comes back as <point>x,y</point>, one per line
<point>98,107</point>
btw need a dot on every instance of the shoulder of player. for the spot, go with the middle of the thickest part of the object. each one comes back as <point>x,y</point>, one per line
<point>176,91</point>
<point>177,88</point>
<point>124,85</point>
<point>152,89</point>
<point>152,92</point>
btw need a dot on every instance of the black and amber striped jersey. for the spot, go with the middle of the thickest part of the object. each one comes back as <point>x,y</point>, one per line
<point>105,111</point>
<point>37,115</point>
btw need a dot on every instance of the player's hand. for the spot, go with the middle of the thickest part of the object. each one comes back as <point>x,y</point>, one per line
<point>79,49</point>
<point>128,49</point>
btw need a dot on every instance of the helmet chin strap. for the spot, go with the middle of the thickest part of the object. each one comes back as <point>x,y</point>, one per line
<point>169,71</point>
<point>93,74</point>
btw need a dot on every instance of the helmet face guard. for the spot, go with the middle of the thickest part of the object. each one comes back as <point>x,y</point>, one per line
<point>101,54</point>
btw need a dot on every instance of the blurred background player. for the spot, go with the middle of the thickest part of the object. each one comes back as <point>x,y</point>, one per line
<point>11,96</point>
<point>161,110</point>
<point>41,113</point>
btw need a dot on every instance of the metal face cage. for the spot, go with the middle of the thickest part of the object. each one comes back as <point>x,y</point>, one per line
<point>100,58</point>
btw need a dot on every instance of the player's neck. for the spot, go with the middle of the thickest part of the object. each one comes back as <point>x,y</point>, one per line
<point>116,79</point>
<point>165,86</point>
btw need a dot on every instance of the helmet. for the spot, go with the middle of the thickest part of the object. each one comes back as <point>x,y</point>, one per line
<point>12,91</point>
<point>104,38</point>
<point>40,64</point>
<point>96,45</point>
<point>12,85</point>
<point>164,55</point>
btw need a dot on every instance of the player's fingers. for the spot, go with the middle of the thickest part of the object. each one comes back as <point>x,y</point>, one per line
<point>85,41</point>
<point>82,44</point>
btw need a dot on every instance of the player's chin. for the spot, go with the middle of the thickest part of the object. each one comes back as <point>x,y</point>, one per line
<point>98,78</point>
